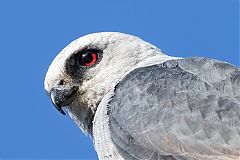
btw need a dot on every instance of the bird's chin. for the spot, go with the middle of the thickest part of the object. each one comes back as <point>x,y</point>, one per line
<point>82,115</point>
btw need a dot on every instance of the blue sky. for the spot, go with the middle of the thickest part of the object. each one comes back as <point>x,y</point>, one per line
<point>33,32</point>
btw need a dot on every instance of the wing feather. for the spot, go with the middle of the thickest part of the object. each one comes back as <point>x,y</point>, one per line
<point>180,109</point>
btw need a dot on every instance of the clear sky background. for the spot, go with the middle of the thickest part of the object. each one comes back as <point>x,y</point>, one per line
<point>33,32</point>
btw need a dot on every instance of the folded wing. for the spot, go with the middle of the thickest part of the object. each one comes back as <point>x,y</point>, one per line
<point>181,109</point>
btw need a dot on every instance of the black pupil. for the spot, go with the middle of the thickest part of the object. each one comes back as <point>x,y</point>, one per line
<point>87,57</point>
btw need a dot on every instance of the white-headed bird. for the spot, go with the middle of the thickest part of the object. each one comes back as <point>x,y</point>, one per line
<point>138,103</point>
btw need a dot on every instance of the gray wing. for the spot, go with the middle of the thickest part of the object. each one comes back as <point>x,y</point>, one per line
<point>181,109</point>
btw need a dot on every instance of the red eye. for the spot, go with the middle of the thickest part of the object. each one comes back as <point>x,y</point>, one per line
<point>88,58</point>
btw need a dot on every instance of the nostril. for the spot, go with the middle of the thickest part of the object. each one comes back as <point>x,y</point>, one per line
<point>61,82</point>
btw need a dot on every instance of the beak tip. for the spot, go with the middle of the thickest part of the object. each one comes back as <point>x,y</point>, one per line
<point>62,112</point>
<point>62,97</point>
<point>55,104</point>
<point>58,107</point>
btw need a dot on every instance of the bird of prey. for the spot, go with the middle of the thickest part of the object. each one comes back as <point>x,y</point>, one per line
<point>139,103</point>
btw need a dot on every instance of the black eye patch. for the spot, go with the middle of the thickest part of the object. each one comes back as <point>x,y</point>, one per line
<point>79,62</point>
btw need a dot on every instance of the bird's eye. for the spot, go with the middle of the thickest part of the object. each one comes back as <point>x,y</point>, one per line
<point>88,58</point>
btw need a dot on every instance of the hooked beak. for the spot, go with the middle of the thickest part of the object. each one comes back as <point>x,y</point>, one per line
<point>62,96</point>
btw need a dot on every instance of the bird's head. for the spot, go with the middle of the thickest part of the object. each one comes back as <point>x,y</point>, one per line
<point>84,71</point>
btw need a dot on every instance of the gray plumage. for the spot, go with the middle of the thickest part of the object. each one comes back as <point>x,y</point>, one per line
<point>138,103</point>
<point>180,109</point>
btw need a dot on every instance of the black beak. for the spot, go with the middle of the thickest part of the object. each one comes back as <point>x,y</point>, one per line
<point>62,96</point>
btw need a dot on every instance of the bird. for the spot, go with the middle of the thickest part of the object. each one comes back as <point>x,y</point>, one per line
<point>138,103</point>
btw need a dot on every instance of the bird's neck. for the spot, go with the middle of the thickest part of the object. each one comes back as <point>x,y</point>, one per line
<point>83,113</point>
